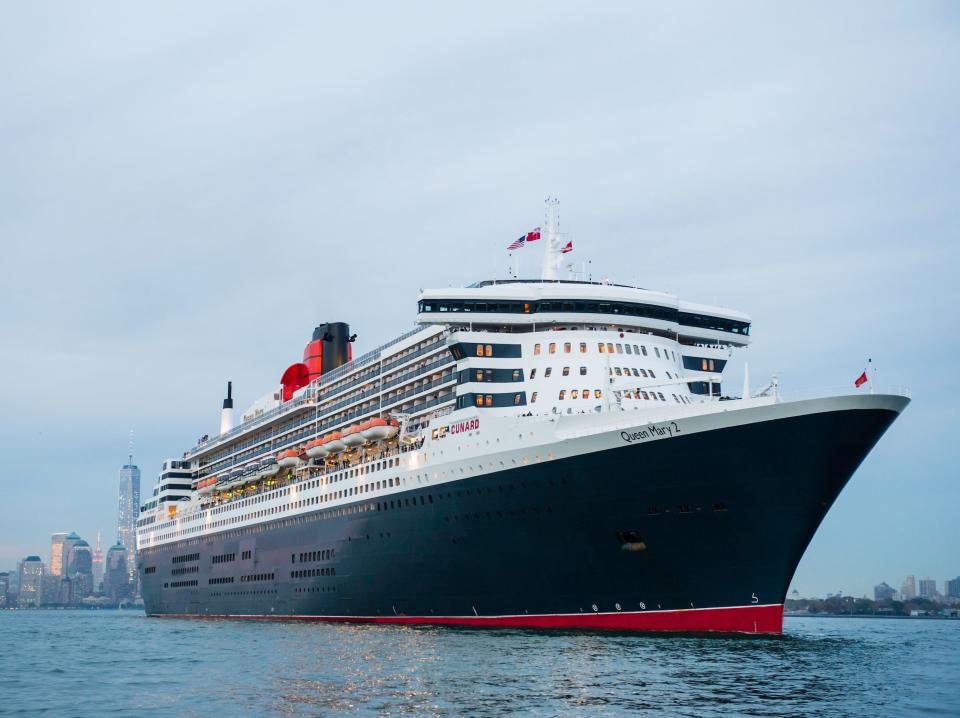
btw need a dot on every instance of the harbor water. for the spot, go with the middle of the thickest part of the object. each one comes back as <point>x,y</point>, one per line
<point>103,663</point>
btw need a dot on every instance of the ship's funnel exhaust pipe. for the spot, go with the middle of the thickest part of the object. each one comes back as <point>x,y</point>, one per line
<point>226,414</point>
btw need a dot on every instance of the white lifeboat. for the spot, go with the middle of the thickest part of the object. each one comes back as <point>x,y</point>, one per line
<point>334,443</point>
<point>268,467</point>
<point>352,436</point>
<point>380,429</point>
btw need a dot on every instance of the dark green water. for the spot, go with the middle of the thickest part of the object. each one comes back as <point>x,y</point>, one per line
<point>123,664</point>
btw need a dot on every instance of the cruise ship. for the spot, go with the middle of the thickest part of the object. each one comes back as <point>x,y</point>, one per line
<point>543,453</point>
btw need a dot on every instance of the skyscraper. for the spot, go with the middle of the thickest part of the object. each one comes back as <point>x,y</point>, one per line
<point>128,510</point>
<point>908,591</point>
<point>80,569</point>
<point>4,588</point>
<point>56,553</point>
<point>97,565</point>
<point>116,582</point>
<point>31,580</point>
<point>951,589</point>
<point>928,588</point>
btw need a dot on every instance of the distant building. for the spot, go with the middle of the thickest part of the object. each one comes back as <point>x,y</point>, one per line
<point>31,582</point>
<point>928,588</point>
<point>116,581</point>
<point>883,592</point>
<point>908,591</point>
<point>951,589</point>
<point>4,588</point>
<point>57,541</point>
<point>80,570</point>
<point>128,511</point>
<point>68,543</point>
<point>97,566</point>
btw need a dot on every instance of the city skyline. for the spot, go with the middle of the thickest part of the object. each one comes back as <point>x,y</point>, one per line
<point>166,176</point>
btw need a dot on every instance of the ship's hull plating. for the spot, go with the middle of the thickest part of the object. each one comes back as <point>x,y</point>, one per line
<point>698,532</point>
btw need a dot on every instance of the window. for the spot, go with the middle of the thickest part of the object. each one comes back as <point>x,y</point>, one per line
<point>516,399</point>
<point>643,373</point>
<point>583,347</point>
<point>661,396</point>
<point>516,375</point>
<point>488,400</point>
<point>563,394</point>
<point>643,349</point>
<point>636,349</point>
<point>533,398</point>
<point>609,348</point>
<point>479,375</point>
<point>634,372</point>
<point>645,395</point>
<point>488,351</point>
<point>586,393</point>
<point>574,394</point>
<point>546,374</point>
<point>627,347</point>
<point>566,347</point>
<point>656,351</point>
<point>652,375</point>
<point>597,393</point>
<point>619,348</point>
<point>536,350</point>
<point>479,350</point>
<point>601,347</point>
<point>583,371</point>
<point>479,399</point>
<point>618,371</point>
<point>566,371</point>
<point>553,348</point>
<point>533,373</point>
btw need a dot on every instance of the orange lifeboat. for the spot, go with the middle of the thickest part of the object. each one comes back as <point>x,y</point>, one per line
<point>288,459</point>
<point>334,443</point>
<point>352,436</point>
<point>379,429</point>
<point>316,450</point>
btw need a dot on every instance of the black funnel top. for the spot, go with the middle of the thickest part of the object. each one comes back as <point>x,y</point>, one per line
<point>228,402</point>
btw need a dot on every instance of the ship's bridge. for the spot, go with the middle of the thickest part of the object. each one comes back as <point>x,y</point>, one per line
<point>521,305</point>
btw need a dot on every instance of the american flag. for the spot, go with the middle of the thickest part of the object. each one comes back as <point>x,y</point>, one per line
<point>517,243</point>
<point>568,247</point>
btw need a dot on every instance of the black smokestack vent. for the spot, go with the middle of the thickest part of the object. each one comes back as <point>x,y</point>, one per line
<point>336,344</point>
<point>228,402</point>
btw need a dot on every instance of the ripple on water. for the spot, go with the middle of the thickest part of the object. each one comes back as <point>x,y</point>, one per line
<point>125,664</point>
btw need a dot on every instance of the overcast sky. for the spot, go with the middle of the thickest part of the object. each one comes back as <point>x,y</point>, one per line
<point>186,189</point>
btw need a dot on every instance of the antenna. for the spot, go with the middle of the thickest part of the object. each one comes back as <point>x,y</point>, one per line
<point>130,450</point>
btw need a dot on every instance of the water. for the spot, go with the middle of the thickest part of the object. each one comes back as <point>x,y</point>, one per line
<point>76,663</point>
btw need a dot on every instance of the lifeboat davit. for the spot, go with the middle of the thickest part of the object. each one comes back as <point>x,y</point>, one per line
<point>352,436</point>
<point>316,450</point>
<point>380,429</point>
<point>334,443</point>
<point>288,459</point>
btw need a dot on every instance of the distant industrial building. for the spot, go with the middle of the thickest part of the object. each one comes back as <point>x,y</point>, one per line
<point>908,591</point>
<point>928,588</point>
<point>31,582</point>
<point>883,592</point>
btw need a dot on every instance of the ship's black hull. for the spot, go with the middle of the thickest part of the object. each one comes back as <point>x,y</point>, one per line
<point>698,532</point>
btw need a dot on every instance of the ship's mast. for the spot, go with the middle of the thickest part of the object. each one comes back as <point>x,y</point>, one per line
<point>552,255</point>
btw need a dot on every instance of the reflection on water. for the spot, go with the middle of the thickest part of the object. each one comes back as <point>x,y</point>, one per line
<point>95,663</point>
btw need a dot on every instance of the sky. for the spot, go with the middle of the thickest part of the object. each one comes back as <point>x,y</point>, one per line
<point>187,189</point>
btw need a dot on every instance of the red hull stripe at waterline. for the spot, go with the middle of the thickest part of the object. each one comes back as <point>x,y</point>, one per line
<point>739,619</point>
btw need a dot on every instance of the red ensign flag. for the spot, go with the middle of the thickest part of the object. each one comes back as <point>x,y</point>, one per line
<point>861,380</point>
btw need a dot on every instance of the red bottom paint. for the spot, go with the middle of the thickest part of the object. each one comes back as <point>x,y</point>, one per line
<point>740,619</point>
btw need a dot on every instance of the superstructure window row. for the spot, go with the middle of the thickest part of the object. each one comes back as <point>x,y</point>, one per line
<point>494,375</point>
<point>488,401</point>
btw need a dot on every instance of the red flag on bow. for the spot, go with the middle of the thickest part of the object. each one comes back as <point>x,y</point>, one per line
<point>861,380</point>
